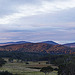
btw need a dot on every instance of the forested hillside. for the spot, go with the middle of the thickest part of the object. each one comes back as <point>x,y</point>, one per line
<point>38,47</point>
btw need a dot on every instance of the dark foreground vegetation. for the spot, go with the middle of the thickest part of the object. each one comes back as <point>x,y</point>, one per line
<point>6,73</point>
<point>66,69</point>
<point>46,69</point>
<point>2,62</point>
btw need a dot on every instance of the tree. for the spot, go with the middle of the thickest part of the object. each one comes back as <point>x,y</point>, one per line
<point>46,69</point>
<point>2,62</point>
<point>67,69</point>
<point>10,60</point>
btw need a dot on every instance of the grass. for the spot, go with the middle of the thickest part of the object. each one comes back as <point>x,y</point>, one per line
<point>26,69</point>
<point>40,73</point>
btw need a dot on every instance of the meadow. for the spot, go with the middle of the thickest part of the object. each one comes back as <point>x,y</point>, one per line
<point>21,68</point>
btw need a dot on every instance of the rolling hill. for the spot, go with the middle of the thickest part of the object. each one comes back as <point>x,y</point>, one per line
<point>50,42</point>
<point>8,43</point>
<point>38,47</point>
<point>72,45</point>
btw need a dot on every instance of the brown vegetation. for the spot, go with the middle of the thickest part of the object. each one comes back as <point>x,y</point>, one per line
<point>37,47</point>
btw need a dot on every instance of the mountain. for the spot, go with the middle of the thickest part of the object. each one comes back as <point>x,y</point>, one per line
<point>8,43</point>
<point>50,42</point>
<point>72,45</point>
<point>38,47</point>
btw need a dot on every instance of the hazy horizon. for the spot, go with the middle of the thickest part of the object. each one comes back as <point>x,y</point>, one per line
<point>37,20</point>
<point>38,41</point>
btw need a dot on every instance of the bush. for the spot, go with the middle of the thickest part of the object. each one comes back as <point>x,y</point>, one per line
<point>46,69</point>
<point>27,63</point>
<point>56,69</point>
<point>5,73</point>
<point>47,62</point>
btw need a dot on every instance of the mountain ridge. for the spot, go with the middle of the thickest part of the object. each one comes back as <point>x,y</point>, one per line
<point>72,45</point>
<point>18,42</point>
<point>50,42</point>
<point>38,47</point>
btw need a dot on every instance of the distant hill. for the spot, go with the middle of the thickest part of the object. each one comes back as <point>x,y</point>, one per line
<point>19,42</point>
<point>38,47</point>
<point>50,42</point>
<point>72,45</point>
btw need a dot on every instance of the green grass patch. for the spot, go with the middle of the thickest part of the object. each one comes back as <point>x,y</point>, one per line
<point>33,68</point>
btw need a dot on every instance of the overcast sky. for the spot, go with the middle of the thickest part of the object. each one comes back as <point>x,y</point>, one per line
<point>37,20</point>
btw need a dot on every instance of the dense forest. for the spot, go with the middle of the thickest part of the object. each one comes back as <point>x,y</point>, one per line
<point>32,56</point>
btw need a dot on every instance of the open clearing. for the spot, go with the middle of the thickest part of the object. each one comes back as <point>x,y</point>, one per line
<point>26,69</point>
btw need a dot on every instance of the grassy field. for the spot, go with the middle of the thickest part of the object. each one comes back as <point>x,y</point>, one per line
<point>26,69</point>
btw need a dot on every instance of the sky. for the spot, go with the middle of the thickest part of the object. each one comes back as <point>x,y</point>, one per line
<point>37,20</point>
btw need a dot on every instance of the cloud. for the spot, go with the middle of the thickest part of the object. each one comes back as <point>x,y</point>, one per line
<point>56,34</point>
<point>25,10</point>
<point>36,20</point>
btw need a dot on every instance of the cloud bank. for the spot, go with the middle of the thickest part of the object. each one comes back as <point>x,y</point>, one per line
<point>55,20</point>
